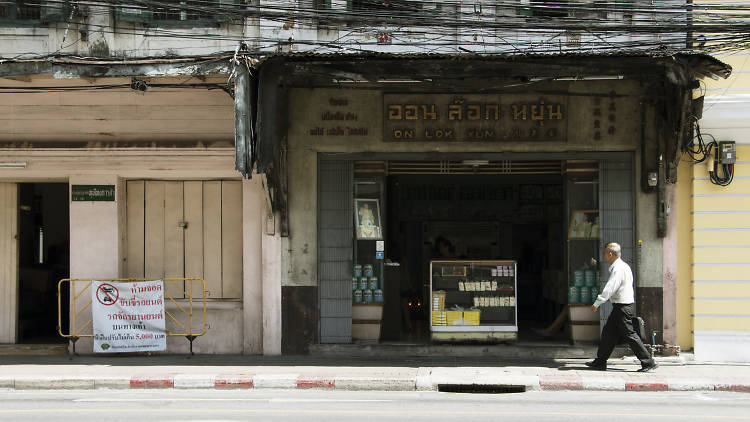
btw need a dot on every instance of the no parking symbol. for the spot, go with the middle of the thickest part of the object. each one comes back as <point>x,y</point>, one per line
<point>107,294</point>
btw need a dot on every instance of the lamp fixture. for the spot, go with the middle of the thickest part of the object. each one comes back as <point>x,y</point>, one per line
<point>13,165</point>
<point>475,163</point>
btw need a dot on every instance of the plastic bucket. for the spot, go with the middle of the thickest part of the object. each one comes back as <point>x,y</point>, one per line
<point>574,295</point>
<point>590,278</point>
<point>586,295</point>
<point>578,278</point>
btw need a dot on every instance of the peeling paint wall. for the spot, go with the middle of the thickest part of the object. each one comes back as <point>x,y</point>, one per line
<point>116,115</point>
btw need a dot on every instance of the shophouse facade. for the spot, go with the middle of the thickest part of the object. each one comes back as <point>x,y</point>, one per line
<point>133,98</point>
<point>393,141</point>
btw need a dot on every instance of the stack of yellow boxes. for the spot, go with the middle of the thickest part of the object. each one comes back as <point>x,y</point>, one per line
<point>454,317</point>
<point>471,317</point>
<point>438,308</point>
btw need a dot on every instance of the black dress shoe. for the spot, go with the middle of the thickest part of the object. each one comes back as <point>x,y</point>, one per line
<point>649,367</point>
<point>596,366</point>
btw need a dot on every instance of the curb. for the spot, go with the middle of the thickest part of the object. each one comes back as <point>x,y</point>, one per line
<point>53,383</point>
<point>152,381</point>
<point>425,380</point>
<point>375,383</point>
<point>316,382</point>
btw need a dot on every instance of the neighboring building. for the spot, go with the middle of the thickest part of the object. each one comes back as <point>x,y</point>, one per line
<point>136,97</point>
<point>714,289</point>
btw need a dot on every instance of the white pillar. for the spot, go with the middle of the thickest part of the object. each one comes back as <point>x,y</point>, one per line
<point>8,262</point>
<point>252,269</point>
<point>95,247</point>
<point>670,268</point>
<point>271,246</point>
<point>95,232</point>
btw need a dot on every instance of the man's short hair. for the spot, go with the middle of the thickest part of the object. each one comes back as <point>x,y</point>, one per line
<point>614,248</point>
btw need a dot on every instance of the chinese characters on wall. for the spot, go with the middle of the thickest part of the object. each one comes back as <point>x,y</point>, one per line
<point>604,117</point>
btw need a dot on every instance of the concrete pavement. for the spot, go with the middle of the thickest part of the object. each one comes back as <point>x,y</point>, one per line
<point>397,373</point>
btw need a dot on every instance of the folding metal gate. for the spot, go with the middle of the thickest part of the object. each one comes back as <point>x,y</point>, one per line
<point>335,232</point>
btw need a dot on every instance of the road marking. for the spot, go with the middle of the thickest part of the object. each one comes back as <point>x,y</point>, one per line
<point>383,412</point>
<point>271,400</point>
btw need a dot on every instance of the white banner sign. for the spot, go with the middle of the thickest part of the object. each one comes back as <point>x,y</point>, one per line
<point>128,317</point>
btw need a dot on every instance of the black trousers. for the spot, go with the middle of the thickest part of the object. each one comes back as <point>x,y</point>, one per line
<point>620,325</point>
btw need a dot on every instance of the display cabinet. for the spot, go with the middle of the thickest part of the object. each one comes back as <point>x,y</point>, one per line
<point>583,246</point>
<point>473,300</point>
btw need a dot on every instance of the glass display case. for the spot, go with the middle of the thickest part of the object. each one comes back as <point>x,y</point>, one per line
<point>583,245</point>
<point>473,300</point>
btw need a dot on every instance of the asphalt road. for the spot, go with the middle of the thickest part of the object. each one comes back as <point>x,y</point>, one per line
<point>308,406</point>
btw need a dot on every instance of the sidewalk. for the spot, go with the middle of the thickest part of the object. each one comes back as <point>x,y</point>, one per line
<point>357,373</point>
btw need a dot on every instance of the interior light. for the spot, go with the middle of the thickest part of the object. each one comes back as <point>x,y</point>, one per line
<point>475,162</point>
<point>13,165</point>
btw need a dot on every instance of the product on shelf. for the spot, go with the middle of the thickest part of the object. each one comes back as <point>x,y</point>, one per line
<point>471,317</point>
<point>473,293</point>
<point>438,300</point>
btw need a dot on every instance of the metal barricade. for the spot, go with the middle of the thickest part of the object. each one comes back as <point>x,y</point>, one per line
<point>184,306</point>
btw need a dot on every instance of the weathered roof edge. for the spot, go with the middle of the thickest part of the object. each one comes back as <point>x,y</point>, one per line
<point>78,67</point>
<point>700,64</point>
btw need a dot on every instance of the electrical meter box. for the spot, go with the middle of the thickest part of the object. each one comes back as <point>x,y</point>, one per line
<point>727,152</point>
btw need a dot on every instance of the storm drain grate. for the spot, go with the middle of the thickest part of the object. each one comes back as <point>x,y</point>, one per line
<point>481,388</point>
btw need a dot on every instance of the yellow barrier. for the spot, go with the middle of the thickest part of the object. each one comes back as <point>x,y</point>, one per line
<point>86,330</point>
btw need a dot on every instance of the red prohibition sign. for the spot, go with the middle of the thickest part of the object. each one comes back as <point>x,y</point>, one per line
<point>105,293</point>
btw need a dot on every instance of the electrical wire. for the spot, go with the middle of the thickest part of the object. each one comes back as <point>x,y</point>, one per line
<point>700,151</point>
<point>505,26</point>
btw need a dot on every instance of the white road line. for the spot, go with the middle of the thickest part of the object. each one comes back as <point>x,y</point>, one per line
<point>271,400</point>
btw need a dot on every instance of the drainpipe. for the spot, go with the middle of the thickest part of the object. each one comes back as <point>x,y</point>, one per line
<point>661,198</point>
<point>242,123</point>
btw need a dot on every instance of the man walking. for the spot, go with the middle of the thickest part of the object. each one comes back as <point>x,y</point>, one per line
<point>619,290</point>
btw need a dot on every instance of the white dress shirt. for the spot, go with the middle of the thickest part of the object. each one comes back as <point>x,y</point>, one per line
<point>619,287</point>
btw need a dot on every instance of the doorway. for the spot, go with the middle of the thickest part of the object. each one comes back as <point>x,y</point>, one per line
<point>43,260</point>
<point>479,216</point>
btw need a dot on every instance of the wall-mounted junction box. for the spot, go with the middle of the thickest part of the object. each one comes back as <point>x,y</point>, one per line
<point>727,152</point>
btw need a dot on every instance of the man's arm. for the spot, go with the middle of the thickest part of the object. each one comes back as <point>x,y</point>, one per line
<point>613,283</point>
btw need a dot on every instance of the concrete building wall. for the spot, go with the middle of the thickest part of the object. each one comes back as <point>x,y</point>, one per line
<point>306,113</point>
<point>720,263</point>
<point>103,116</point>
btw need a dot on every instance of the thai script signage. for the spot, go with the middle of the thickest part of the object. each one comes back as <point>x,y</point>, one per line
<point>474,117</point>
<point>93,192</point>
<point>128,317</point>
<point>338,120</point>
